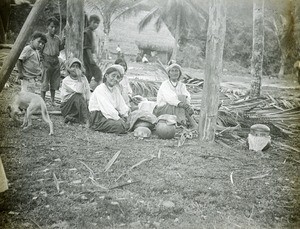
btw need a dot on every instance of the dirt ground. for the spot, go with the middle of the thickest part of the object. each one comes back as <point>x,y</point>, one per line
<point>60,181</point>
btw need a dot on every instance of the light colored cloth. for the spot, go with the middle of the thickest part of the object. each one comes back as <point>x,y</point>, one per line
<point>168,94</point>
<point>168,109</point>
<point>145,60</point>
<point>70,87</point>
<point>3,180</point>
<point>31,63</point>
<point>73,86</point>
<point>258,143</point>
<point>141,115</point>
<point>109,101</point>
<point>147,106</point>
<point>125,89</point>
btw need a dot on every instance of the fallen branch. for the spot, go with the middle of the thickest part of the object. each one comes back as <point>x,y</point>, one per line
<point>135,165</point>
<point>97,184</point>
<point>281,145</point>
<point>220,157</point>
<point>231,179</point>
<point>92,174</point>
<point>112,160</point>
<point>35,223</point>
<point>294,160</point>
<point>258,177</point>
<point>56,182</point>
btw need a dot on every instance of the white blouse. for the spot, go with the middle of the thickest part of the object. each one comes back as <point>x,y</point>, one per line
<point>70,86</point>
<point>109,101</point>
<point>168,93</point>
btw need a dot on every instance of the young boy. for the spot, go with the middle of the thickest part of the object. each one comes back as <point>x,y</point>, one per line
<point>92,70</point>
<point>29,65</point>
<point>51,71</point>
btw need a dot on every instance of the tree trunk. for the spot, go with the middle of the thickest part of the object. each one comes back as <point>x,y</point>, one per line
<point>177,34</point>
<point>25,33</point>
<point>282,64</point>
<point>75,29</point>
<point>213,70</point>
<point>257,48</point>
<point>60,18</point>
<point>106,30</point>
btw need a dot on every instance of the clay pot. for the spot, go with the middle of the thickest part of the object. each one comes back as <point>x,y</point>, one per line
<point>164,130</point>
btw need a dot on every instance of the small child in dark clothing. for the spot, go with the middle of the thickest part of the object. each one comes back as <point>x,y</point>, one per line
<point>92,70</point>
<point>51,71</point>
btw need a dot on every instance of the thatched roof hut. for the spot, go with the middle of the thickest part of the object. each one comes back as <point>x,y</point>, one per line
<point>155,50</point>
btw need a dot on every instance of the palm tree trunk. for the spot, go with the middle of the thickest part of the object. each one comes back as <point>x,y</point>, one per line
<point>213,70</point>
<point>258,47</point>
<point>177,34</point>
<point>282,64</point>
<point>106,30</point>
<point>74,29</point>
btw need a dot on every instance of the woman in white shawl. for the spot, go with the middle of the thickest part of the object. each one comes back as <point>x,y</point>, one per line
<point>108,110</point>
<point>75,94</point>
<point>174,99</point>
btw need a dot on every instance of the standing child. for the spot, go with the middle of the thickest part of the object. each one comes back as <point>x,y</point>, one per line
<point>92,70</point>
<point>29,65</point>
<point>51,71</point>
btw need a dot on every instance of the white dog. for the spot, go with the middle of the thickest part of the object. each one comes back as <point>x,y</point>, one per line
<point>32,103</point>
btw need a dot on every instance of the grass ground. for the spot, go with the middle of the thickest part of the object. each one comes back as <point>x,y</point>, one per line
<point>59,181</point>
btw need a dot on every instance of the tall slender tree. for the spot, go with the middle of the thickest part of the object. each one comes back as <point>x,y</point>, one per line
<point>257,47</point>
<point>213,70</point>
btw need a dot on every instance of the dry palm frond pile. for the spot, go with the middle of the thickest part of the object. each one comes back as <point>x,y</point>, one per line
<point>281,114</point>
<point>145,88</point>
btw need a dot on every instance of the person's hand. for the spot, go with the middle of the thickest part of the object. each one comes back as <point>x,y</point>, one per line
<point>190,110</point>
<point>183,105</point>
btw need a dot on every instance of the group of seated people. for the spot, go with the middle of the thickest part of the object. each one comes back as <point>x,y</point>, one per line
<point>107,108</point>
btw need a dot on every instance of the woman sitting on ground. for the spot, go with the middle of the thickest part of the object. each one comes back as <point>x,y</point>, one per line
<point>75,93</point>
<point>125,88</point>
<point>174,99</point>
<point>108,110</point>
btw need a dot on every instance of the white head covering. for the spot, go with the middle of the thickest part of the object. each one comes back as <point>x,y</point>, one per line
<point>174,65</point>
<point>115,67</point>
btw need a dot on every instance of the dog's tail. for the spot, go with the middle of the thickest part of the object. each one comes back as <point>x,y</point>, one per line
<point>46,117</point>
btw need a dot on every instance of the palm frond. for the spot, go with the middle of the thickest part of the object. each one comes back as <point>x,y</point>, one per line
<point>158,24</point>
<point>146,20</point>
<point>130,9</point>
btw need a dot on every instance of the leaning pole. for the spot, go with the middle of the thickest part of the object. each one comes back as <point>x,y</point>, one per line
<point>21,40</point>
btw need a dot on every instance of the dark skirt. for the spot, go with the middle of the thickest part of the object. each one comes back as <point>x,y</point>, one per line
<point>75,109</point>
<point>172,110</point>
<point>99,123</point>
